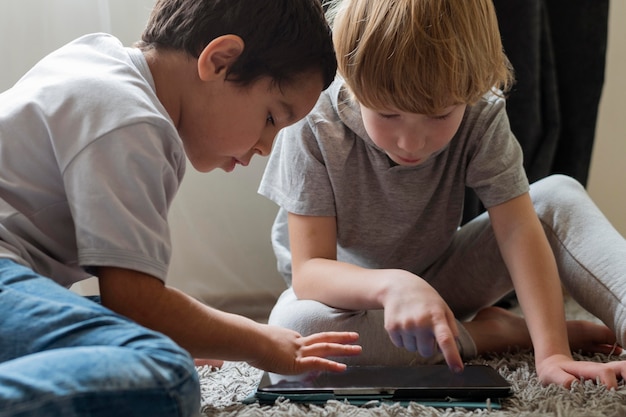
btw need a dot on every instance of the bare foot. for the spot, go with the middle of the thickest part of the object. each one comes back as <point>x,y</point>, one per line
<point>591,337</point>
<point>495,329</point>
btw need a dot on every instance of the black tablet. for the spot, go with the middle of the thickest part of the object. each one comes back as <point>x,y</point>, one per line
<point>415,383</point>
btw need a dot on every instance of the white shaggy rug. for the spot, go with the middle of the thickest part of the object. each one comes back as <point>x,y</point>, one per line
<point>224,390</point>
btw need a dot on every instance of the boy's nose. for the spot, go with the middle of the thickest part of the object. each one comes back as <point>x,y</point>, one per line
<point>411,143</point>
<point>264,146</point>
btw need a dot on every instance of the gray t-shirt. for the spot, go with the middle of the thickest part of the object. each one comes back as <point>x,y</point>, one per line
<point>388,216</point>
<point>90,163</point>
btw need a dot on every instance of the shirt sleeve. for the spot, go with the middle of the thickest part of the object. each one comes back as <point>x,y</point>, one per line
<point>119,189</point>
<point>296,177</point>
<point>495,170</point>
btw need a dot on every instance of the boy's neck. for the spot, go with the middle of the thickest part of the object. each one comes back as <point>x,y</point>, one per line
<point>174,72</point>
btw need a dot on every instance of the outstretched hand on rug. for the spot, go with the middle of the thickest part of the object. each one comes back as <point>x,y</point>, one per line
<point>290,353</point>
<point>563,370</point>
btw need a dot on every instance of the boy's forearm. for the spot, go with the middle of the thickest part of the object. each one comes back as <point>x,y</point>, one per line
<point>203,331</point>
<point>533,269</point>
<point>207,332</point>
<point>334,283</point>
<point>346,286</point>
<point>539,292</point>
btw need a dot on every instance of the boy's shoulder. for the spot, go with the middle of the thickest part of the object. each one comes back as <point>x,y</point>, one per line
<point>95,71</point>
<point>88,51</point>
<point>334,107</point>
<point>90,86</point>
<point>489,108</point>
<point>95,58</point>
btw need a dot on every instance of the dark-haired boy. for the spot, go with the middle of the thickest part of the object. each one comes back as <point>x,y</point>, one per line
<point>93,143</point>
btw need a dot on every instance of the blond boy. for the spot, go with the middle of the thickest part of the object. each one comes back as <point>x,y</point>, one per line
<point>94,141</point>
<point>371,187</point>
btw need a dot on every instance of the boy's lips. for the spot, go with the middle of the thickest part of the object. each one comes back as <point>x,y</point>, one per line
<point>231,165</point>
<point>408,160</point>
<point>234,162</point>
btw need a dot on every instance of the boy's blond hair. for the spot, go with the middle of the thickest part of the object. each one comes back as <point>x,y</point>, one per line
<point>418,56</point>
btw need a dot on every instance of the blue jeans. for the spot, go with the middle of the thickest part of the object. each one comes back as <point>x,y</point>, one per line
<point>64,355</point>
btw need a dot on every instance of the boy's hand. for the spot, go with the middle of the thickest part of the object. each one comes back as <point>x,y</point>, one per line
<point>418,319</point>
<point>290,353</point>
<point>563,370</point>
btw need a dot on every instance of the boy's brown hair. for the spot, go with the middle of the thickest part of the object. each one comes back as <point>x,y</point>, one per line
<point>418,56</point>
<point>282,38</point>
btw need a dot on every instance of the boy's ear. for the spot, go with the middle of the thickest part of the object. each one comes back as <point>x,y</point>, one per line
<point>218,56</point>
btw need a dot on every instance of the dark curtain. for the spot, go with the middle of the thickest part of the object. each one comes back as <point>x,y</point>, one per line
<point>558,51</point>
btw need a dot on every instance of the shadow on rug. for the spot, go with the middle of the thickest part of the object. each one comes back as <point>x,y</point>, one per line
<point>224,390</point>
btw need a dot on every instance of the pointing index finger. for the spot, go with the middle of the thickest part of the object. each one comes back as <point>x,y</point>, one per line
<point>449,349</point>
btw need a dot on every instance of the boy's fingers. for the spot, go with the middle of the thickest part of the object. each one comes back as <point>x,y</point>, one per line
<point>316,347</point>
<point>330,344</point>
<point>449,349</point>
<point>595,371</point>
<point>314,363</point>
<point>331,337</point>
<point>425,343</point>
<point>618,368</point>
<point>325,349</point>
<point>396,339</point>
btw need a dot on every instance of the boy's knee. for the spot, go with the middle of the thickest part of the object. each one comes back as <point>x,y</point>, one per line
<point>556,195</point>
<point>297,315</point>
<point>187,393</point>
<point>180,377</point>
<point>170,366</point>
<point>171,357</point>
<point>555,187</point>
<point>307,317</point>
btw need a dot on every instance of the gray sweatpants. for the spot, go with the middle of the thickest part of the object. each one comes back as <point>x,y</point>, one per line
<point>471,275</point>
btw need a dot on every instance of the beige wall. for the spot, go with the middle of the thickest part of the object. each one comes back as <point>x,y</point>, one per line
<point>607,178</point>
<point>226,230</point>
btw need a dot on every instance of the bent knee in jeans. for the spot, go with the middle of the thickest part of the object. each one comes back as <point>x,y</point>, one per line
<point>65,355</point>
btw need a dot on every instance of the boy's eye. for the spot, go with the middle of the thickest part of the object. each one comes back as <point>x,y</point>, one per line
<point>387,116</point>
<point>270,119</point>
<point>441,116</point>
<point>446,113</point>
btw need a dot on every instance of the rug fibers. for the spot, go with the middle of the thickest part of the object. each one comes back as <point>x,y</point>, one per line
<point>225,389</point>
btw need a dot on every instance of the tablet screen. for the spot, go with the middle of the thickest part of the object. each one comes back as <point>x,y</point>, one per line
<point>427,381</point>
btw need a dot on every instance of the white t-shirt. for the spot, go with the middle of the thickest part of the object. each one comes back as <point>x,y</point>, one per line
<point>90,164</point>
<point>388,216</point>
